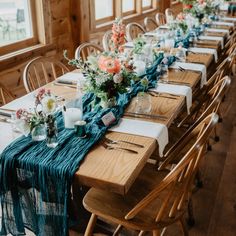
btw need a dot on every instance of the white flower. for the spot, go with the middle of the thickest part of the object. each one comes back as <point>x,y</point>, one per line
<point>48,104</point>
<point>117,78</point>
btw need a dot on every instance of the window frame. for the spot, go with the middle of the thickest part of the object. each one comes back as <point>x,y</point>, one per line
<point>131,12</point>
<point>105,19</point>
<point>28,42</point>
<point>146,8</point>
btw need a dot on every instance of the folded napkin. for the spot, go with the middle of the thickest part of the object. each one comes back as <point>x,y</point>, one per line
<point>70,78</point>
<point>26,102</point>
<point>222,23</point>
<point>129,45</point>
<point>176,89</point>
<point>228,18</point>
<point>218,30</point>
<point>213,38</point>
<point>194,67</point>
<point>144,128</point>
<point>164,27</point>
<point>205,50</point>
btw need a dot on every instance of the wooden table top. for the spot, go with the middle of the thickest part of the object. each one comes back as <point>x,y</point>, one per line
<point>116,170</point>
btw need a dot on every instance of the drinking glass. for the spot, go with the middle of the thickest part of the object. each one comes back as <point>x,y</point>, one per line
<point>143,103</point>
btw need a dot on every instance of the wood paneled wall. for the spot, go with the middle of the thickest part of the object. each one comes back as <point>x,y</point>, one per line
<point>67,25</point>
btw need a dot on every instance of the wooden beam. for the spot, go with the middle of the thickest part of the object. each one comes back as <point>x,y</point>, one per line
<point>80,21</point>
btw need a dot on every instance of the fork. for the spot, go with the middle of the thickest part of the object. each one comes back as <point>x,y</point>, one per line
<point>110,141</point>
<point>109,147</point>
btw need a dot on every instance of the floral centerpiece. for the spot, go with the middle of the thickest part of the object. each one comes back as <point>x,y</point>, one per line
<point>106,75</point>
<point>34,121</point>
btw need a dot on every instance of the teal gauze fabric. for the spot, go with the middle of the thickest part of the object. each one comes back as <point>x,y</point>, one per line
<point>35,181</point>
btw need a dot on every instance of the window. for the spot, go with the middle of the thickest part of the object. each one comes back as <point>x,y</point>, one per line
<point>146,4</point>
<point>104,10</point>
<point>17,25</point>
<point>128,7</point>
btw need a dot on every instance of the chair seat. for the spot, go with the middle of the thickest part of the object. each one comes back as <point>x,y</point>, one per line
<point>113,207</point>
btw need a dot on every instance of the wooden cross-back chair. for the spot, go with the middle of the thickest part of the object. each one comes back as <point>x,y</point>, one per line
<point>157,199</point>
<point>160,19</point>
<point>86,49</point>
<point>40,71</point>
<point>106,41</point>
<point>169,13</point>
<point>150,24</point>
<point>5,95</point>
<point>213,97</point>
<point>134,30</point>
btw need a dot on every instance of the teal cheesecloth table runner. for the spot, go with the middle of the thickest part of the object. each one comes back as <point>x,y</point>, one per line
<point>35,181</point>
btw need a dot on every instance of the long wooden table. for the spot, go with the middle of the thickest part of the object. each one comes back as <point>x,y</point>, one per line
<point>115,170</point>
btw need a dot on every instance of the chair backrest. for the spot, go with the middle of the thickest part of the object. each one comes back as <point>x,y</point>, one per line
<point>5,95</point>
<point>174,190</point>
<point>133,30</point>
<point>106,41</point>
<point>150,24</point>
<point>169,13</point>
<point>40,71</point>
<point>209,103</point>
<point>160,19</point>
<point>86,49</point>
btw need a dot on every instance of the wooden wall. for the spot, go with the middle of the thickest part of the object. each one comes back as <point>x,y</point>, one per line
<point>67,25</point>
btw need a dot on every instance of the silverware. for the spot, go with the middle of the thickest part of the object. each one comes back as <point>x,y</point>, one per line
<point>122,141</point>
<point>158,93</point>
<point>64,85</point>
<point>162,96</point>
<point>6,114</point>
<point>109,147</point>
<point>143,115</point>
<point>175,82</point>
<point>5,119</point>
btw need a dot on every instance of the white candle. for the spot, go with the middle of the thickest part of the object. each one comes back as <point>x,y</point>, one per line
<point>71,115</point>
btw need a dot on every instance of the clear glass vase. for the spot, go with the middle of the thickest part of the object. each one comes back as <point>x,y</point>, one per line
<point>52,132</point>
<point>39,133</point>
<point>108,103</point>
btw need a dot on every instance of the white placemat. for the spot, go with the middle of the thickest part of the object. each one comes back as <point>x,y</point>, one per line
<point>70,78</point>
<point>27,101</point>
<point>144,128</point>
<point>194,67</point>
<point>228,18</point>
<point>218,30</point>
<point>129,45</point>
<point>213,38</point>
<point>176,89</point>
<point>222,23</point>
<point>205,50</point>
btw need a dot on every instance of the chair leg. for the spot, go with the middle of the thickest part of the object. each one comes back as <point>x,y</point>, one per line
<point>156,233</point>
<point>184,226</point>
<point>198,179</point>
<point>90,226</point>
<point>190,219</point>
<point>141,233</point>
<point>118,228</point>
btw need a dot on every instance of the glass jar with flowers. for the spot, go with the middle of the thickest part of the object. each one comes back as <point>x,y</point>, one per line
<point>34,122</point>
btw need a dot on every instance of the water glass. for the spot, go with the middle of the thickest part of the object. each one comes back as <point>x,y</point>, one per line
<point>143,103</point>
